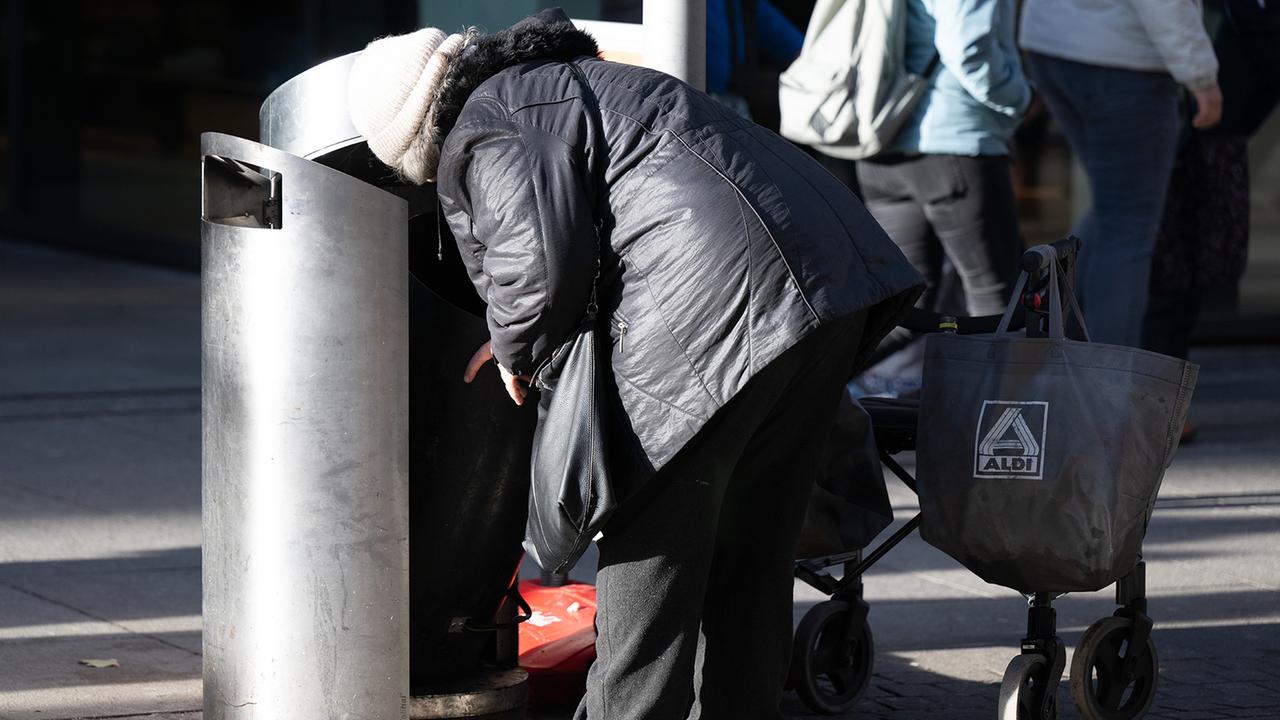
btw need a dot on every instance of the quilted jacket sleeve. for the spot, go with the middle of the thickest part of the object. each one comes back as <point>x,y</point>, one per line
<point>517,201</point>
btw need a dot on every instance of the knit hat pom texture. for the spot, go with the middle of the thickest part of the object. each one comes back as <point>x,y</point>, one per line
<point>391,90</point>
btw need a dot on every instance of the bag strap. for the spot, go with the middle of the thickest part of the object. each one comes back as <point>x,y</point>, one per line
<point>599,152</point>
<point>1057,319</point>
<point>1057,324</point>
<point>931,69</point>
<point>1014,299</point>
<point>460,624</point>
<point>1074,306</point>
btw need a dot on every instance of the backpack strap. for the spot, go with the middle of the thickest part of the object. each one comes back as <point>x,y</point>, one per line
<point>935,62</point>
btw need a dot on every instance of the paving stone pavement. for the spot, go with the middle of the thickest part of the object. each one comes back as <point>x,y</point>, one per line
<point>100,527</point>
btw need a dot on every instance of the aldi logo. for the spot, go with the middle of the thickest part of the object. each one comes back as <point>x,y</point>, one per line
<point>1010,439</point>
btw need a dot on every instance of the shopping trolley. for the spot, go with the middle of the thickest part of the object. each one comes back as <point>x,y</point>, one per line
<point>1114,669</point>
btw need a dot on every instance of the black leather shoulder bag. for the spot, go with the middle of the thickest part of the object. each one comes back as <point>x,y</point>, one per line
<point>571,496</point>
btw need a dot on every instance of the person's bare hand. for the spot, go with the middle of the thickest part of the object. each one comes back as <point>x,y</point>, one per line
<point>1208,107</point>
<point>517,385</point>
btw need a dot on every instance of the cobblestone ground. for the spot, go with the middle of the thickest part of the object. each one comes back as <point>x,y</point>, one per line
<point>1191,688</point>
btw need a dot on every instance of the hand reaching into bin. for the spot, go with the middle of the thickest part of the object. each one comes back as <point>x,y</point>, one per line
<point>517,385</point>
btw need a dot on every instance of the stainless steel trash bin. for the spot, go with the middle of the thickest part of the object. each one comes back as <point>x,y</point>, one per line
<point>305,450</point>
<point>467,445</point>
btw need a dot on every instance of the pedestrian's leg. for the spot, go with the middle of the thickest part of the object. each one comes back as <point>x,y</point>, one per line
<point>1126,141</point>
<point>1068,101</point>
<point>892,201</point>
<point>1055,81</point>
<point>978,227</point>
<point>747,613</point>
<point>891,198</point>
<point>654,560</point>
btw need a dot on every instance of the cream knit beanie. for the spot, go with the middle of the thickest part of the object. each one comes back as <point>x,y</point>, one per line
<point>391,96</point>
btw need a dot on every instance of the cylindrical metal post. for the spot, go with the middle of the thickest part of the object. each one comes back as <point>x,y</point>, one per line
<point>305,455</point>
<point>675,39</point>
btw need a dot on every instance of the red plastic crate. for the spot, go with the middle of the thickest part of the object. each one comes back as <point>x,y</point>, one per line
<point>558,643</point>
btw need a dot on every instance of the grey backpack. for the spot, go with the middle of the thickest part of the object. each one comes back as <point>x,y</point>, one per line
<point>848,94</point>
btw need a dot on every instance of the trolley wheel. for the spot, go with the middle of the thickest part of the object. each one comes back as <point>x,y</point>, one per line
<point>1102,687</point>
<point>1024,692</point>
<point>831,666</point>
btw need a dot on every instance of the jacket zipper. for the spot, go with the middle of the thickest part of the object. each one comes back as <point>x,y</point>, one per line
<point>622,335</point>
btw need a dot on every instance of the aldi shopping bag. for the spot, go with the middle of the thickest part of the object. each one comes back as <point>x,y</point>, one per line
<point>1039,459</point>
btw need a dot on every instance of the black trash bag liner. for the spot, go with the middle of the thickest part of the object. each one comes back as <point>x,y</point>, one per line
<point>469,451</point>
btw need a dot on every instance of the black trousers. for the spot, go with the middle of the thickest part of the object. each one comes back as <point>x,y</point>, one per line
<point>955,208</point>
<point>695,578</point>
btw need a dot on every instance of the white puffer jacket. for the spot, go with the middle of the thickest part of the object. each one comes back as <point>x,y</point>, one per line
<point>1151,35</point>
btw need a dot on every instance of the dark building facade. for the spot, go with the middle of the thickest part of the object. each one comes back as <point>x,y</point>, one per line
<point>104,101</point>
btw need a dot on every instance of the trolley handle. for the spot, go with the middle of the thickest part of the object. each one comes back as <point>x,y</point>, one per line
<point>1037,258</point>
<point>1034,261</point>
<point>925,322</point>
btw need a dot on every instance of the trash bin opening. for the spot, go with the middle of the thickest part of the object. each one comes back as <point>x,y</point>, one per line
<point>435,262</point>
<point>239,194</point>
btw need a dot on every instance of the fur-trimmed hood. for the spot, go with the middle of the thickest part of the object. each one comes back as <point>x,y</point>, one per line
<point>549,35</point>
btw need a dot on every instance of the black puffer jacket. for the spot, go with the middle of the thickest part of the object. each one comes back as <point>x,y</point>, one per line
<point>724,244</point>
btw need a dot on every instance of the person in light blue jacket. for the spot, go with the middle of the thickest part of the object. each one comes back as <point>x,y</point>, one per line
<point>978,93</point>
<point>942,189</point>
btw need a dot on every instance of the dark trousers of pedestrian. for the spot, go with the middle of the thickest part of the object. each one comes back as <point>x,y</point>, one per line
<point>1122,126</point>
<point>954,217</point>
<point>1203,242</point>
<point>696,570</point>
<point>950,207</point>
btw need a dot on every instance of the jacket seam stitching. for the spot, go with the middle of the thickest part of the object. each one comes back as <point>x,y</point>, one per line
<point>746,236</point>
<point>543,103</point>
<point>847,230</point>
<point>542,242</point>
<point>645,99</point>
<point>697,374</point>
<point>773,240</point>
<point>492,100</point>
<point>659,166</point>
<point>639,182</point>
<point>657,399</point>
